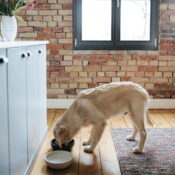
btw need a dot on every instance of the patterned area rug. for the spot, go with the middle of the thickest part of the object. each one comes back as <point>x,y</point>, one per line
<point>158,157</point>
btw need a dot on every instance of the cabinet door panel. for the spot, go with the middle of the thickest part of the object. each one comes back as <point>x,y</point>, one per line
<point>17,110</point>
<point>42,87</point>
<point>4,145</point>
<point>32,101</point>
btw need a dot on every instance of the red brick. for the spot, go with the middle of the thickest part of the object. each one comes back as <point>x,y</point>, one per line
<point>117,57</point>
<point>65,23</point>
<point>83,80</point>
<point>171,52</point>
<point>58,68</point>
<point>54,74</point>
<point>67,6</point>
<point>139,74</point>
<point>139,80</point>
<point>50,80</point>
<point>171,63</point>
<point>163,52</point>
<point>148,74</point>
<point>171,41</point>
<point>101,57</point>
<point>57,29</point>
<point>93,62</point>
<point>165,26</point>
<point>126,78</point>
<point>168,12</point>
<point>58,57</point>
<point>54,52</point>
<point>92,68</point>
<point>54,46</point>
<point>110,68</point>
<point>163,41</point>
<point>159,80</point>
<point>148,57</point>
<point>60,35</point>
<point>102,79</point>
<point>77,57</point>
<point>46,35</point>
<point>92,57</point>
<point>92,85</point>
<point>67,46</point>
<point>164,18</point>
<point>47,29</point>
<point>37,18</point>
<point>129,68</point>
<point>103,62</point>
<point>135,57</point>
<point>64,74</point>
<point>109,57</point>
<point>45,6</point>
<point>166,46</point>
<point>148,68</point>
<point>64,80</point>
<point>25,29</point>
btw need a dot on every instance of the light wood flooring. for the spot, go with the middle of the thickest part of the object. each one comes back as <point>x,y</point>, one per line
<point>103,161</point>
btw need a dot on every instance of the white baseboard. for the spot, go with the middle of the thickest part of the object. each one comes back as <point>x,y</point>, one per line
<point>154,103</point>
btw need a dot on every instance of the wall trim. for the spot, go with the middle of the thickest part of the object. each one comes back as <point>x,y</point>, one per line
<point>154,103</point>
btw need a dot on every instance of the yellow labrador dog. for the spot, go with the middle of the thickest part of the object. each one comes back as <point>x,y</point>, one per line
<point>95,106</point>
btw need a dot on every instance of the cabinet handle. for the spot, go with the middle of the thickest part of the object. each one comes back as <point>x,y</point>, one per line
<point>3,59</point>
<point>29,54</point>
<point>39,51</point>
<point>23,55</point>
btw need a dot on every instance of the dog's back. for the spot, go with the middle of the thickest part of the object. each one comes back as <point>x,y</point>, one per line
<point>114,98</point>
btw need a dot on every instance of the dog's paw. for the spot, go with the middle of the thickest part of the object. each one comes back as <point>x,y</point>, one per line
<point>86,142</point>
<point>137,151</point>
<point>130,138</point>
<point>88,149</point>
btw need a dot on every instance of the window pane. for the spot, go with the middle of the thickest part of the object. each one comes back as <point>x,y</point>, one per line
<point>135,20</point>
<point>96,19</point>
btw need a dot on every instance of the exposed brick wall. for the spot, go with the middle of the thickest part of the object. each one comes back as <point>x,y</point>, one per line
<point>69,71</point>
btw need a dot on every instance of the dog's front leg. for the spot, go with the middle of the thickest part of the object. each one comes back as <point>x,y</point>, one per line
<point>98,130</point>
<point>88,141</point>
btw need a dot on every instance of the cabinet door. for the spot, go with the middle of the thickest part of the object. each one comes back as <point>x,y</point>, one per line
<point>17,110</point>
<point>33,114</point>
<point>4,145</point>
<point>42,87</point>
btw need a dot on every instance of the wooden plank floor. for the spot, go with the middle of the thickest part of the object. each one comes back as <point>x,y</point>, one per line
<point>103,161</point>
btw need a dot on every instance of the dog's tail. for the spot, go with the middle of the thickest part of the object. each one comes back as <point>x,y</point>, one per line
<point>148,120</point>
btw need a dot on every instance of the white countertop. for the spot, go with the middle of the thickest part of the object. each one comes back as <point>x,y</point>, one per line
<point>10,44</point>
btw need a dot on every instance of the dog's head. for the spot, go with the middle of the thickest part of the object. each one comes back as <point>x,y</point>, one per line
<point>62,134</point>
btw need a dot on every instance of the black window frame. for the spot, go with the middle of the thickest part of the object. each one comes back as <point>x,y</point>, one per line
<point>115,43</point>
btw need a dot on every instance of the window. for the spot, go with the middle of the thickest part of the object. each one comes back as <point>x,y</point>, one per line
<point>115,24</point>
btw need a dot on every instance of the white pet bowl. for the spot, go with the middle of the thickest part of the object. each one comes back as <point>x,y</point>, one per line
<point>58,159</point>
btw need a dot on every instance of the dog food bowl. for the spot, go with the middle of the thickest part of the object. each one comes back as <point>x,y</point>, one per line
<point>58,159</point>
<point>66,147</point>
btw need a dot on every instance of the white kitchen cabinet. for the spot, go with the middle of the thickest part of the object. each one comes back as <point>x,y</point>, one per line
<point>17,92</point>
<point>4,144</point>
<point>42,86</point>
<point>24,95</point>
<point>33,115</point>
